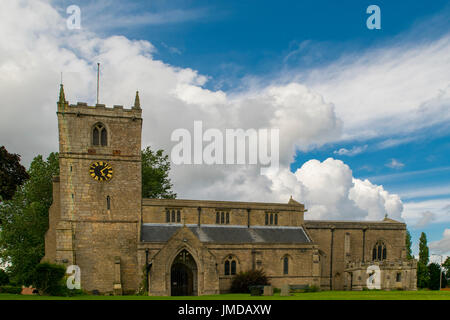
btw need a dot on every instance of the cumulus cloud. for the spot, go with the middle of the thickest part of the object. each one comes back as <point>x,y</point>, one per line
<point>35,47</point>
<point>331,192</point>
<point>441,246</point>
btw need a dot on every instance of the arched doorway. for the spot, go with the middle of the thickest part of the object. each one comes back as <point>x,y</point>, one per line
<point>183,275</point>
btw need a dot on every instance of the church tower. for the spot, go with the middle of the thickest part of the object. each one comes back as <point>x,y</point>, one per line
<point>99,193</point>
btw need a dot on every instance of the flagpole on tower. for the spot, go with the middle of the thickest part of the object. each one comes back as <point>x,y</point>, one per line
<point>98,79</point>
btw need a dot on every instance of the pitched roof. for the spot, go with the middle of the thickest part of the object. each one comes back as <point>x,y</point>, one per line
<point>227,234</point>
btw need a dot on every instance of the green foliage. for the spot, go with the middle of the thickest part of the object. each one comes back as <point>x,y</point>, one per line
<point>25,220</point>
<point>408,244</point>
<point>143,287</point>
<point>423,276</point>
<point>424,254</point>
<point>11,289</point>
<point>48,279</point>
<point>434,271</point>
<point>12,174</point>
<point>244,280</point>
<point>312,289</point>
<point>4,278</point>
<point>446,265</point>
<point>155,175</point>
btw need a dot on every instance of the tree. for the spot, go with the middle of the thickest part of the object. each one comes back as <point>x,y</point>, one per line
<point>4,278</point>
<point>434,271</point>
<point>423,275</point>
<point>424,252</point>
<point>12,174</point>
<point>155,175</point>
<point>25,220</point>
<point>409,255</point>
<point>243,280</point>
<point>48,278</point>
<point>446,266</point>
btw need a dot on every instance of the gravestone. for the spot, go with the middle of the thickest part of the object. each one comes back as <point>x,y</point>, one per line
<point>284,290</point>
<point>268,290</point>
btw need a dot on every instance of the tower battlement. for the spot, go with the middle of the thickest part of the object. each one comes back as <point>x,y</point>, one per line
<point>82,108</point>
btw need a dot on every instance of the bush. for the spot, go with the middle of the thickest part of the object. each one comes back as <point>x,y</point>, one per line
<point>48,279</point>
<point>312,289</point>
<point>244,280</point>
<point>4,278</point>
<point>10,289</point>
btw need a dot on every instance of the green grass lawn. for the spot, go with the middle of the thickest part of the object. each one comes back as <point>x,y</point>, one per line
<point>323,295</point>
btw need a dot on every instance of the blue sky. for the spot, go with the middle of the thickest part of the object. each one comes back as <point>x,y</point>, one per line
<point>232,40</point>
<point>389,88</point>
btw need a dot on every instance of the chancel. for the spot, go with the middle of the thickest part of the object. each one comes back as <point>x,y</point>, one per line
<point>99,222</point>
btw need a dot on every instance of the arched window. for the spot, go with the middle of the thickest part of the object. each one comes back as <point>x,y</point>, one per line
<point>99,135</point>
<point>230,266</point>
<point>227,267</point>
<point>233,267</point>
<point>379,251</point>
<point>108,203</point>
<point>286,265</point>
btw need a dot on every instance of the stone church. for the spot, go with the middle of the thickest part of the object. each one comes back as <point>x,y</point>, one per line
<point>99,222</point>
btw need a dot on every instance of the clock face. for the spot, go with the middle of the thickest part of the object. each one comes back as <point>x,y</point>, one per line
<point>101,171</point>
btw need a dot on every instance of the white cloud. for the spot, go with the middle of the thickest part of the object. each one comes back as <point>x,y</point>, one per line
<point>352,152</point>
<point>388,90</point>
<point>392,142</point>
<point>441,246</point>
<point>101,15</point>
<point>427,218</point>
<point>331,192</point>
<point>438,190</point>
<point>414,211</point>
<point>395,164</point>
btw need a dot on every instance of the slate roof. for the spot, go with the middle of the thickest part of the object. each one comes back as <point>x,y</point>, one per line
<point>227,234</point>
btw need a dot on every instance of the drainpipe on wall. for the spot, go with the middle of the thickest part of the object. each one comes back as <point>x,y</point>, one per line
<point>364,244</point>
<point>147,269</point>
<point>199,215</point>
<point>331,258</point>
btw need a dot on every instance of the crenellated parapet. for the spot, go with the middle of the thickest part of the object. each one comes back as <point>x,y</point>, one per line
<point>83,109</point>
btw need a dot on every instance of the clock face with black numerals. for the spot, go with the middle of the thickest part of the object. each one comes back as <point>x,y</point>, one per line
<point>101,171</point>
